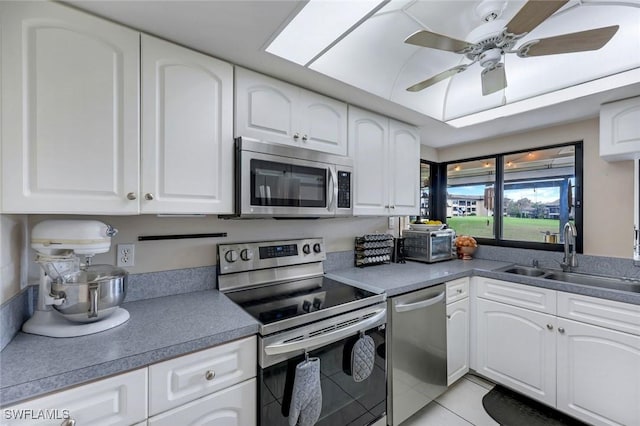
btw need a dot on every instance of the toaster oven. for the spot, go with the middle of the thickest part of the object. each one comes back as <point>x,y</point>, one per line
<point>429,246</point>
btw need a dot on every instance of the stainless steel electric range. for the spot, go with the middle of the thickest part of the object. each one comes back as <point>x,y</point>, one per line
<point>304,315</point>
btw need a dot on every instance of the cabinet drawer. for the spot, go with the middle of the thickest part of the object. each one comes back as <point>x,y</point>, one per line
<point>457,289</point>
<point>118,400</point>
<point>606,313</point>
<point>180,380</point>
<point>524,296</point>
<point>232,406</point>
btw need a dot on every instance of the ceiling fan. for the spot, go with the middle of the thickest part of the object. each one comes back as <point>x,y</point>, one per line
<point>495,39</point>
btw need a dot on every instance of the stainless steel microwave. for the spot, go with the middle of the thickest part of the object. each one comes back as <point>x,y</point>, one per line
<point>429,246</point>
<point>280,181</point>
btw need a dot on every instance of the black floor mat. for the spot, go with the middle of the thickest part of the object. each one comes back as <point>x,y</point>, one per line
<point>512,409</point>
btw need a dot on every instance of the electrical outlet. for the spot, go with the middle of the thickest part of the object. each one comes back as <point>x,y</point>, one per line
<point>391,223</point>
<point>125,256</point>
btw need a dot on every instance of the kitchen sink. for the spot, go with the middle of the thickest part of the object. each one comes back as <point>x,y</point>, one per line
<point>525,270</point>
<point>622,284</point>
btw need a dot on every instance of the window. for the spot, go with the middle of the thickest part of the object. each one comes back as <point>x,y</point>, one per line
<point>538,191</point>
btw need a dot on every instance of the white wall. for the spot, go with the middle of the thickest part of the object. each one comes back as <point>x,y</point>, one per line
<point>13,261</point>
<point>165,255</point>
<point>607,190</point>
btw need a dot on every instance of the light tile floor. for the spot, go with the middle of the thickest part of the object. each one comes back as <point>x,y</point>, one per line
<point>461,405</point>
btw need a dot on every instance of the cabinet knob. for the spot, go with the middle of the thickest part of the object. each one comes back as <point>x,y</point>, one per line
<point>305,138</point>
<point>210,374</point>
<point>131,196</point>
<point>549,326</point>
<point>296,136</point>
<point>561,330</point>
<point>68,422</point>
<point>148,196</point>
<point>449,316</point>
<point>459,291</point>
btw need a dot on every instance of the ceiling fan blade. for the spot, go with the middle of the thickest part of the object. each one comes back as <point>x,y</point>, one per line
<point>532,14</point>
<point>436,78</point>
<point>493,79</point>
<point>568,43</point>
<point>426,38</point>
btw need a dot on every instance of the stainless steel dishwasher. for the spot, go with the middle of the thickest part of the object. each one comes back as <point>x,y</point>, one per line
<point>417,351</point>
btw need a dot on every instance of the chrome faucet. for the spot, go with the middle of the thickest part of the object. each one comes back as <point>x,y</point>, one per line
<point>570,260</point>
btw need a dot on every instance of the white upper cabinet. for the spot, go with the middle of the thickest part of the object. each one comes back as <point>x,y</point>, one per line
<point>386,156</point>
<point>274,111</point>
<point>620,130</point>
<point>404,151</point>
<point>187,131</point>
<point>69,111</point>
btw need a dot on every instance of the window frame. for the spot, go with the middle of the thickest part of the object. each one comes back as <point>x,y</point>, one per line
<point>441,194</point>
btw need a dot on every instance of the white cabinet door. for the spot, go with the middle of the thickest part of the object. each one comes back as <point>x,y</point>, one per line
<point>457,340</point>
<point>517,347</point>
<point>265,108</point>
<point>404,155</point>
<point>619,130</point>
<point>69,111</point>
<point>322,123</point>
<point>598,374</point>
<point>234,406</point>
<point>118,400</point>
<point>368,142</point>
<point>187,131</point>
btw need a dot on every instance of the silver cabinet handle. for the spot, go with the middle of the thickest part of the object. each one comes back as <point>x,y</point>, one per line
<point>131,196</point>
<point>148,196</point>
<point>305,138</point>
<point>401,307</point>
<point>561,330</point>
<point>68,422</point>
<point>549,326</point>
<point>210,374</point>
<point>296,136</point>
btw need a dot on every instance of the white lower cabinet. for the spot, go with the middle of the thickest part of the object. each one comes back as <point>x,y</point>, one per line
<point>517,347</point>
<point>598,377</point>
<point>118,400</point>
<point>183,379</point>
<point>589,369</point>
<point>457,340</point>
<point>233,406</point>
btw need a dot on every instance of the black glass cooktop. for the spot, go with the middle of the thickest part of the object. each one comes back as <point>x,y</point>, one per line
<point>285,305</point>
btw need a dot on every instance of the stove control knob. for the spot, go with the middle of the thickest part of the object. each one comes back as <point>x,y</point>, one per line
<point>246,254</point>
<point>231,256</point>
<point>306,249</point>
<point>306,306</point>
<point>317,248</point>
<point>317,303</point>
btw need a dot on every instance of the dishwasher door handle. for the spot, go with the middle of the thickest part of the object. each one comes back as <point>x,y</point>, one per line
<point>402,307</point>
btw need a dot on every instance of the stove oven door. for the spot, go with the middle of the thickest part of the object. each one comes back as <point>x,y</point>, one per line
<point>344,400</point>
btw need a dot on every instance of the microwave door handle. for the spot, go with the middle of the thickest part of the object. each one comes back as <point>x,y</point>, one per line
<point>323,339</point>
<point>333,189</point>
<point>401,307</point>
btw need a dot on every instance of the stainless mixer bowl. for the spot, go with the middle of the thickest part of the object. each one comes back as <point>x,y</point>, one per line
<point>94,294</point>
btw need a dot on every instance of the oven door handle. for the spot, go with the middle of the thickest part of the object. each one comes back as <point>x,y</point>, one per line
<point>402,307</point>
<point>323,339</point>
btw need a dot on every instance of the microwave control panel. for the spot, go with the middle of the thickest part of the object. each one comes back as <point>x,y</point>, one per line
<point>344,189</point>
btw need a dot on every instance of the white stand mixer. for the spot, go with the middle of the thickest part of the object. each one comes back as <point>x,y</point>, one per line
<point>58,244</point>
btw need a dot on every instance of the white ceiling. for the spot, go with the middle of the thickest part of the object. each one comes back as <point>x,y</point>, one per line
<point>239,31</point>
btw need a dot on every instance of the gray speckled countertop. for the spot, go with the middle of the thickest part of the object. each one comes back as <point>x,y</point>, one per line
<point>398,278</point>
<point>158,329</point>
